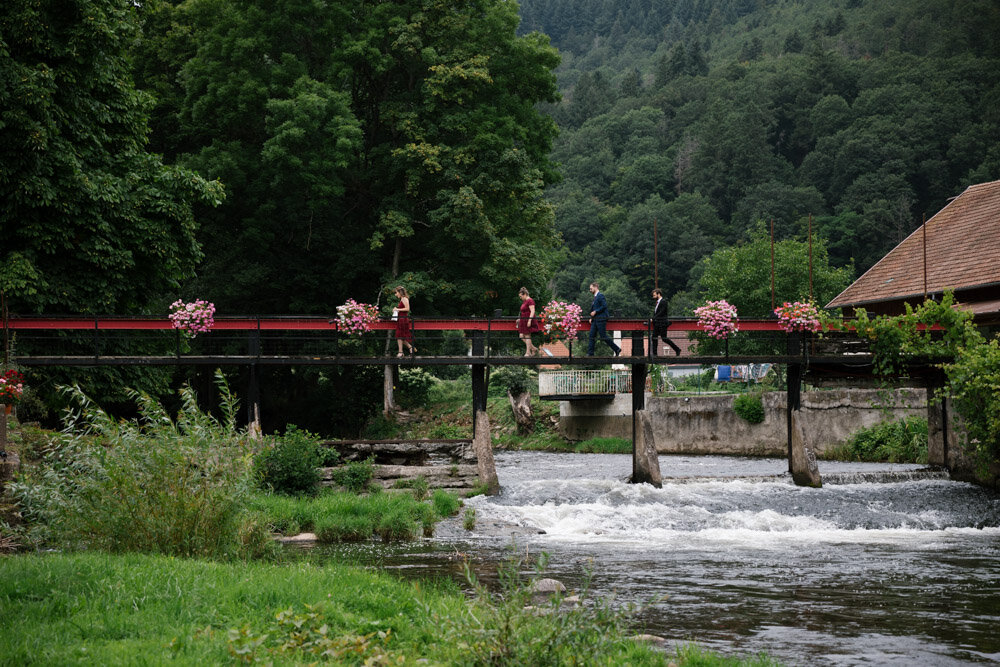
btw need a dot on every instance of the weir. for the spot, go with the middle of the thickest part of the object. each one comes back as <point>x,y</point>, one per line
<point>253,342</point>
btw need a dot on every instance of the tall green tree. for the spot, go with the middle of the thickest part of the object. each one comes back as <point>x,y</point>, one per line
<point>367,144</point>
<point>91,221</point>
<point>741,274</point>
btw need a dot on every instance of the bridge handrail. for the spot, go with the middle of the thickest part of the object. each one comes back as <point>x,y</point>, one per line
<point>320,323</point>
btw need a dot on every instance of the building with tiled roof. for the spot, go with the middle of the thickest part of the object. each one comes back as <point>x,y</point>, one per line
<point>958,249</point>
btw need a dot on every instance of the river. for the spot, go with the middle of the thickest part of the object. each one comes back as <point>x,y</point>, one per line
<point>905,572</point>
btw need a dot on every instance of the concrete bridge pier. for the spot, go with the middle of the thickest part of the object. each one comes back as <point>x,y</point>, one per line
<point>801,457</point>
<point>645,458</point>
<point>481,443</point>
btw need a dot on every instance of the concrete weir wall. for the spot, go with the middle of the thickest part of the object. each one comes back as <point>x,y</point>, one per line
<point>707,424</point>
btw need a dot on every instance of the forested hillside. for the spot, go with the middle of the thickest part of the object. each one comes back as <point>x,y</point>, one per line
<point>705,117</point>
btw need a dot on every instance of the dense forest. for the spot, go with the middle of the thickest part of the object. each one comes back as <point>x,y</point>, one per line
<point>277,156</point>
<point>706,117</point>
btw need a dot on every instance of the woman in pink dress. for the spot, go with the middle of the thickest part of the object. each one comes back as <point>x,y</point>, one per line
<point>404,328</point>
<point>527,322</point>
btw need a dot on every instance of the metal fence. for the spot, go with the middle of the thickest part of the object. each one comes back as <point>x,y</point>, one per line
<point>575,383</point>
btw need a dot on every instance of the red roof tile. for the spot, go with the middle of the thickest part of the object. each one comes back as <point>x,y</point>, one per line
<point>963,250</point>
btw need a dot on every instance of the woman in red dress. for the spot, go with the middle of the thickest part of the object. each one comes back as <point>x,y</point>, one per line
<point>404,329</point>
<point>527,323</point>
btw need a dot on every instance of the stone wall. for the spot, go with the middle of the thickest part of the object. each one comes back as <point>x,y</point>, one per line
<point>706,424</point>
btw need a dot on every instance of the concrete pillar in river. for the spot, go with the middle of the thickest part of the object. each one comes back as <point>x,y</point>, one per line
<point>481,441</point>
<point>805,471</point>
<point>646,460</point>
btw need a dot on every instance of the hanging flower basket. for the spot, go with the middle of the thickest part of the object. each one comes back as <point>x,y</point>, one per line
<point>718,318</point>
<point>561,320</point>
<point>356,318</point>
<point>192,318</point>
<point>798,316</point>
<point>11,388</point>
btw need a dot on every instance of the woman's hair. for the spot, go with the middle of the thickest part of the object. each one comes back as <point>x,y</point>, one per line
<point>524,291</point>
<point>401,291</point>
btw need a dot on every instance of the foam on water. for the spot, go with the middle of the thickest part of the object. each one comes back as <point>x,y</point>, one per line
<point>707,514</point>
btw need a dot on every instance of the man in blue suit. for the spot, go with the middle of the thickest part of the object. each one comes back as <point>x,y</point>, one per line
<point>599,322</point>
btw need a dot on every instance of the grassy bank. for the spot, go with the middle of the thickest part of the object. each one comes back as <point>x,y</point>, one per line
<point>347,517</point>
<point>133,609</point>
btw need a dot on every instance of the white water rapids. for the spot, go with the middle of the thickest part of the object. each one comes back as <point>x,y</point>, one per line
<point>896,573</point>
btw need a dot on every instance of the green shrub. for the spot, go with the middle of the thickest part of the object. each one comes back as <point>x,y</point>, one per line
<point>356,475</point>
<point>974,386</point>
<point>445,504</point>
<point>480,489</point>
<point>420,487</point>
<point>380,428</point>
<point>469,520</point>
<point>750,407</point>
<point>514,379</point>
<point>902,441</point>
<point>290,463</point>
<point>155,484</point>
<point>414,385</point>
<point>328,457</point>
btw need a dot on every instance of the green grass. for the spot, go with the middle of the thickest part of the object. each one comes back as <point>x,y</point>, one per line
<point>96,608</point>
<point>604,446</point>
<point>346,517</point>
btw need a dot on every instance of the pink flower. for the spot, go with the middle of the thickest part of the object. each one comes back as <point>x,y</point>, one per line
<point>798,316</point>
<point>192,318</point>
<point>718,318</point>
<point>561,320</point>
<point>356,318</point>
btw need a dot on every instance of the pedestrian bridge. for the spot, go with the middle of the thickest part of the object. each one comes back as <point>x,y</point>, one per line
<point>478,343</point>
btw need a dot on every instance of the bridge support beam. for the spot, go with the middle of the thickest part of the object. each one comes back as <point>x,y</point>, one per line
<point>481,442</point>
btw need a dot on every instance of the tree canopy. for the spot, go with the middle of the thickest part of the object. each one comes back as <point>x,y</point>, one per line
<point>362,144</point>
<point>91,222</point>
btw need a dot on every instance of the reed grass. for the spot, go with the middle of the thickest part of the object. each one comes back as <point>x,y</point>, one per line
<point>160,484</point>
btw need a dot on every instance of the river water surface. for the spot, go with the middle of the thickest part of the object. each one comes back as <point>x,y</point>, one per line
<point>887,573</point>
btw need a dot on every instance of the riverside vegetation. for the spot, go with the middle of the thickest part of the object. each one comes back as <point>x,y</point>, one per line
<point>163,546</point>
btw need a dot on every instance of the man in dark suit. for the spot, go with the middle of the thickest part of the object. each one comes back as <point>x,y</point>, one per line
<point>599,322</point>
<point>661,323</point>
